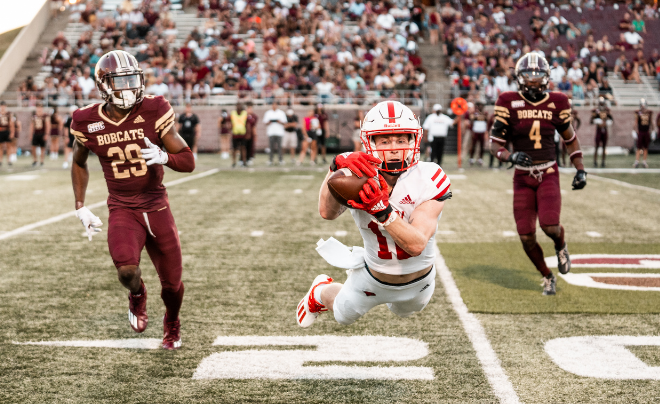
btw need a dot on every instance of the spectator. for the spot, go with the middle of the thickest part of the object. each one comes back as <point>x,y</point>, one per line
<point>578,90</point>
<point>640,62</point>
<point>626,23</point>
<point>190,128</point>
<point>275,118</point>
<point>324,90</point>
<point>583,26</point>
<point>313,131</point>
<point>437,126</point>
<point>575,72</point>
<point>603,45</point>
<point>224,129</point>
<point>86,84</point>
<point>638,24</point>
<point>564,85</point>
<point>633,38</point>
<point>291,139</point>
<point>158,88</point>
<point>557,73</point>
<point>238,134</point>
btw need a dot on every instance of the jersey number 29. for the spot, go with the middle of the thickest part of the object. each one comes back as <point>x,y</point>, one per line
<point>122,157</point>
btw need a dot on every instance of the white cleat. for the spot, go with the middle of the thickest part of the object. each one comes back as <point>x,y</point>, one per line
<point>309,308</point>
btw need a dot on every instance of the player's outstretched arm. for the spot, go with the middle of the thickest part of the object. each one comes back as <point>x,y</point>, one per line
<point>329,208</point>
<point>413,236</point>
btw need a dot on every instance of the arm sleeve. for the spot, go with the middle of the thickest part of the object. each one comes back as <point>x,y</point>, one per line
<point>437,184</point>
<point>165,115</point>
<point>501,122</point>
<point>183,161</point>
<point>562,119</point>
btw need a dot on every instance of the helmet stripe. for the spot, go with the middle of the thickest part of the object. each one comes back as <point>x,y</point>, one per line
<point>390,111</point>
<point>533,60</point>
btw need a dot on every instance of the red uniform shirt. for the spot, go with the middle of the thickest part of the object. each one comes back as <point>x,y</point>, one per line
<point>131,183</point>
<point>39,122</point>
<point>644,120</point>
<point>530,126</point>
<point>252,123</point>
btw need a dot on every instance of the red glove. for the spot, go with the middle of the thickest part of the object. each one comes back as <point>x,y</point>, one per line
<point>375,199</point>
<point>359,163</point>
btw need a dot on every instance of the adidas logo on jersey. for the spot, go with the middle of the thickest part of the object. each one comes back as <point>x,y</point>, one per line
<point>407,200</point>
<point>552,105</point>
<point>139,119</point>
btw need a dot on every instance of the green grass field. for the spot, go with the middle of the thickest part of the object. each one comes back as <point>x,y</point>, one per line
<point>57,286</point>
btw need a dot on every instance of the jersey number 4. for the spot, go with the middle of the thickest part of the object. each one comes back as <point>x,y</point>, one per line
<point>535,134</point>
<point>384,250</point>
<point>123,156</point>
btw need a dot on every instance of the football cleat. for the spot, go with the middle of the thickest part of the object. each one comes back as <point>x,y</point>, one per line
<point>636,164</point>
<point>309,308</point>
<point>645,164</point>
<point>171,334</point>
<point>549,286</point>
<point>137,311</point>
<point>563,260</point>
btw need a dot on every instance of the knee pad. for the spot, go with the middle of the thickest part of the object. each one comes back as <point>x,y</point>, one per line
<point>124,255</point>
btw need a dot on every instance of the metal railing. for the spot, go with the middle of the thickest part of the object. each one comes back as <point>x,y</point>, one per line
<point>283,97</point>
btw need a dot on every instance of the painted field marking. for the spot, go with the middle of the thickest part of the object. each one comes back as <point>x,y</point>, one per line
<point>257,233</point>
<point>593,234</point>
<point>613,192</point>
<point>299,177</point>
<point>445,232</point>
<point>247,191</point>
<point>509,233</point>
<point>603,357</point>
<point>297,191</point>
<point>563,192</point>
<point>289,364</point>
<point>488,359</point>
<point>38,192</point>
<point>133,343</point>
<point>509,191</point>
<point>456,191</point>
<point>457,177</point>
<point>341,233</point>
<point>20,177</point>
<point>72,213</point>
<point>591,280</point>
<point>624,184</point>
<point>193,191</point>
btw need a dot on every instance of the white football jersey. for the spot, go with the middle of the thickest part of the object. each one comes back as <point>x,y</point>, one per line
<point>422,182</point>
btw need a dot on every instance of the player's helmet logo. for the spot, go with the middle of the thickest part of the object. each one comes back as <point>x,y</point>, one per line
<point>392,118</point>
<point>533,74</point>
<point>119,79</point>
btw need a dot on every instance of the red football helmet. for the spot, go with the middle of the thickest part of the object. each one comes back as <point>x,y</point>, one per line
<point>119,79</point>
<point>392,118</point>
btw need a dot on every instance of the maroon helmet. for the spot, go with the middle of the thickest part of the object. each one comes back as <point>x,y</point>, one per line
<point>119,79</point>
<point>533,74</point>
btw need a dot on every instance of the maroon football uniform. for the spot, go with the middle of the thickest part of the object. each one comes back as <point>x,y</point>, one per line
<point>6,120</point>
<point>39,122</point>
<point>530,126</point>
<point>603,114</point>
<point>643,128</point>
<point>131,183</point>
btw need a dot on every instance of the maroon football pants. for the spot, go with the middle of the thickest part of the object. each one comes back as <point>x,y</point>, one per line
<point>131,230</point>
<point>534,198</point>
<point>477,139</point>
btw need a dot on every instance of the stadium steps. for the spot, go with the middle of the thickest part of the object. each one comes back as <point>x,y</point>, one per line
<point>629,94</point>
<point>31,66</point>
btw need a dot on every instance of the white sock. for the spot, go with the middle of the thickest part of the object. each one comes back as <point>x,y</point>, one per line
<point>317,292</point>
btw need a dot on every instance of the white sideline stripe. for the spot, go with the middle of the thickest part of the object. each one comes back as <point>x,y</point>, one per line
<point>614,170</point>
<point>624,184</point>
<point>72,213</point>
<point>491,365</point>
<point>133,343</point>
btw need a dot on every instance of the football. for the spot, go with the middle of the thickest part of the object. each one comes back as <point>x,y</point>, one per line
<point>345,186</point>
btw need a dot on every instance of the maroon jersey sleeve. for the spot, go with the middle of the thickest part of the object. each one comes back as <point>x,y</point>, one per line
<point>164,115</point>
<point>502,114</point>
<point>561,113</point>
<point>644,120</point>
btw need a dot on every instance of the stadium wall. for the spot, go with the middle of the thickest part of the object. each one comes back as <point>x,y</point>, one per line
<point>341,122</point>
<point>20,49</point>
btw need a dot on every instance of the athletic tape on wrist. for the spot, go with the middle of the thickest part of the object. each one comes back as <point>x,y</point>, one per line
<point>392,217</point>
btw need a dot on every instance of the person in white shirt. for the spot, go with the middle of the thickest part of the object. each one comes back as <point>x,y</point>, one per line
<point>557,72</point>
<point>575,72</point>
<point>275,118</point>
<point>385,21</point>
<point>344,56</point>
<point>324,90</point>
<point>437,126</point>
<point>633,38</point>
<point>498,16</point>
<point>86,83</point>
<point>158,88</point>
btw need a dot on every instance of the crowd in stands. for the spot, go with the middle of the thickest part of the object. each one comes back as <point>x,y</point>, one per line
<point>482,40</point>
<point>315,51</point>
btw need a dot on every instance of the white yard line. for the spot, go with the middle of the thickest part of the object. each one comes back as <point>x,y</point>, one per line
<point>491,365</point>
<point>614,170</point>
<point>72,213</point>
<point>624,184</point>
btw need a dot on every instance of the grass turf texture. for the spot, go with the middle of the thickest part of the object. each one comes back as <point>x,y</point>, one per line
<point>58,286</point>
<point>501,279</point>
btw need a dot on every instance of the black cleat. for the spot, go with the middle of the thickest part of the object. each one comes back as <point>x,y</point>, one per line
<point>563,260</point>
<point>549,286</point>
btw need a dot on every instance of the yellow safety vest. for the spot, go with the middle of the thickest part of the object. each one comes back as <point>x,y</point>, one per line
<point>239,123</point>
